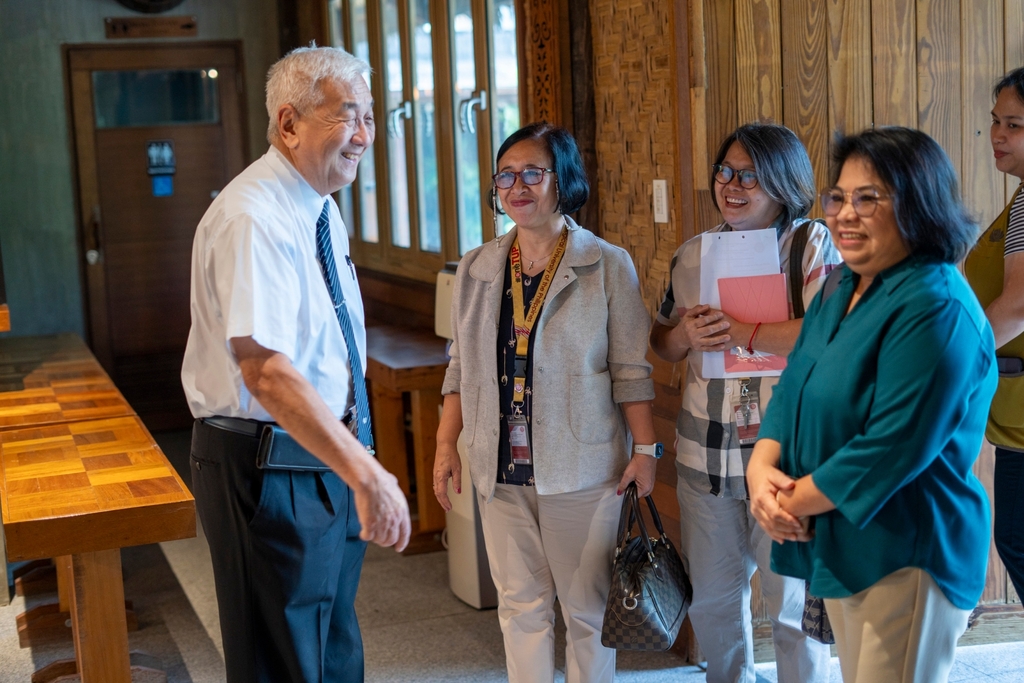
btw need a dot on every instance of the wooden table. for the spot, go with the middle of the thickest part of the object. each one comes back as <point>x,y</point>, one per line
<point>407,360</point>
<point>79,490</point>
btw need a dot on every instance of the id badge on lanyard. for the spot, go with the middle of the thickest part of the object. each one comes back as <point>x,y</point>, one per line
<point>519,440</point>
<point>746,413</point>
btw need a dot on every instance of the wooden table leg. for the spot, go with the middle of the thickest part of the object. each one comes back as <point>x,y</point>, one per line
<point>389,433</point>
<point>98,619</point>
<point>65,581</point>
<point>425,420</point>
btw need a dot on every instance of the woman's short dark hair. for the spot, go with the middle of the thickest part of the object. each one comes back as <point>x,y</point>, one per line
<point>783,169</point>
<point>573,187</point>
<point>930,215</point>
<point>1015,80</point>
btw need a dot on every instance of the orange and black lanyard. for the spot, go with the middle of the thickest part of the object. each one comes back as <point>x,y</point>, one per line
<point>524,325</point>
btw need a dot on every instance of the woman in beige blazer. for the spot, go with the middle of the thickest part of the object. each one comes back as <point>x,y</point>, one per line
<point>547,381</point>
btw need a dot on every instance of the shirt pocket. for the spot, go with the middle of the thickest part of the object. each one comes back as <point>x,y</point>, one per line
<point>592,415</point>
<point>470,395</point>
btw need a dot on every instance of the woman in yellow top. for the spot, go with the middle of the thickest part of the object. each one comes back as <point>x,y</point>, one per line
<point>995,269</point>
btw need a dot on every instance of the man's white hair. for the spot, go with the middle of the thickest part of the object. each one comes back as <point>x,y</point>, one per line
<point>298,79</point>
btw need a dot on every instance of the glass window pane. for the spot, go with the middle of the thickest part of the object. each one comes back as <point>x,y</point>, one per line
<point>398,176</point>
<point>505,67</point>
<point>423,116</point>
<point>366,180</point>
<point>467,161</point>
<point>155,97</point>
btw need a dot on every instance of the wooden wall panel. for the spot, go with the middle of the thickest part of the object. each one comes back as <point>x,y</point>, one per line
<point>722,110</point>
<point>759,60</point>
<point>805,74</point>
<point>938,73</point>
<point>894,49</point>
<point>849,65</point>
<point>634,96</point>
<point>982,55</point>
<point>698,95</point>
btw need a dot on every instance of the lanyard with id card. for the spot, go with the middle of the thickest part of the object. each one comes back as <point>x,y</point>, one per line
<point>747,413</point>
<point>522,323</point>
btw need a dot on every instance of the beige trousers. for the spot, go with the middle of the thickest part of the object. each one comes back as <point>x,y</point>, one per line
<point>900,630</point>
<point>543,546</point>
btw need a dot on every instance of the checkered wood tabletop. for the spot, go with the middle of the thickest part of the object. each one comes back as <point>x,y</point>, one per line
<point>50,380</point>
<point>88,486</point>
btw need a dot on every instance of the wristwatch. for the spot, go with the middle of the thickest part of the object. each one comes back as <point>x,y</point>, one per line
<point>655,449</point>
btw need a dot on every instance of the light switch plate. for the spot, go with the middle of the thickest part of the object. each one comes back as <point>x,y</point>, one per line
<point>660,201</point>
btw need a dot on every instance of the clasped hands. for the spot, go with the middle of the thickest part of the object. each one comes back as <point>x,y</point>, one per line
<point>770,491</point>
<point>708,329</point>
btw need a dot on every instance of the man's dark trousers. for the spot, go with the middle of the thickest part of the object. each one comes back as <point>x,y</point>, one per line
<point>286,562</point>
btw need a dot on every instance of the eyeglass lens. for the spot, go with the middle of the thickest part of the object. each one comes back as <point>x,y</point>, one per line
<point>864,202</point>
<point>529,176</point>
<point>724,174</point>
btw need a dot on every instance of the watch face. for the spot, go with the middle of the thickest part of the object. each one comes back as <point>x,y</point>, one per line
<point>659,450</point>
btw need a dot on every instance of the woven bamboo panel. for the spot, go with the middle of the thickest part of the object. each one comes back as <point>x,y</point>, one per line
<point>88,486</point>
<point>47,380</point>
<point>635,100</point>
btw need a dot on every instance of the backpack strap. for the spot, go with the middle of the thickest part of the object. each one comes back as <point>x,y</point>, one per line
<point>796,268</point>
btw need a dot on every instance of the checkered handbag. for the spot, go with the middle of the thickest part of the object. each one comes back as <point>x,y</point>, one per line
<point>815,622</point>
<point>650,590</point>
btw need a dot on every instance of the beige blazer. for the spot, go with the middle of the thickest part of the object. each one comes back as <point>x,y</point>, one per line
<point>589,355</point>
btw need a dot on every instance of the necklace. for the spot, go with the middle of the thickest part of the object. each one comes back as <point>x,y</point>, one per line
<point>532,261</point>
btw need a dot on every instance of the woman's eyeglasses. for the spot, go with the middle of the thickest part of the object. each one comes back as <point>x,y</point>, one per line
<point>724,174</point>
<point>864,201</point>
<point>529,176</point>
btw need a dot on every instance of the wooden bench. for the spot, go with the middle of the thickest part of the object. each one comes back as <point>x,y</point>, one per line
<point>81,478</point>
<point>403,360</point>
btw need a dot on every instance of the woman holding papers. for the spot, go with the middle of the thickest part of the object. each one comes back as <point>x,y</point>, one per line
<point>547,370</point>
<point>764,187</point>
<point>995,269</point>
<point>863,467</point>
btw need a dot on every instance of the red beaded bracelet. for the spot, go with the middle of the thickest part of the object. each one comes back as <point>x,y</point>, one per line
<point>750,344</point>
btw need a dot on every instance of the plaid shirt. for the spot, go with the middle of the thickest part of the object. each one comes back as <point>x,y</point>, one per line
<point>708,453</point>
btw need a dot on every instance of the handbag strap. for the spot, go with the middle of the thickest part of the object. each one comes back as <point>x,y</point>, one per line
<point>655,516</point>
<point>631,512</point>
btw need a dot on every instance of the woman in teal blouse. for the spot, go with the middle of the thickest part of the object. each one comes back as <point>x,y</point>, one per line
<point>863,473</point>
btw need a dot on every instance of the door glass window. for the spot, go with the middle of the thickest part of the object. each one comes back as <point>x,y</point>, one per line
<point>505,111</point>
<point>155,97</point>
<point>443,112</point>
<point>423,116</point>
<point>467,152</point>
<point>398,111</point>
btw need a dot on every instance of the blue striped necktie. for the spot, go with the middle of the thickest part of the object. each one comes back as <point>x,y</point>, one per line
<point>325,256</point>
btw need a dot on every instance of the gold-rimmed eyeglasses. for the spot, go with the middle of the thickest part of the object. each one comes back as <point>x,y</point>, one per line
<point>864,201</point>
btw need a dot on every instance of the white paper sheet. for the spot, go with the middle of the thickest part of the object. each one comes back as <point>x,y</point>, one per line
<point>734,254</point>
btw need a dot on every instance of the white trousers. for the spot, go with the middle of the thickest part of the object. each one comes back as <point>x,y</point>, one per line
<point>902,629</point>
<point>722,544</point>
<point>543,546</point>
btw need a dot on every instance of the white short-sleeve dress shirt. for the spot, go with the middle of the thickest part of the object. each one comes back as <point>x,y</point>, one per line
<point>255,274</point>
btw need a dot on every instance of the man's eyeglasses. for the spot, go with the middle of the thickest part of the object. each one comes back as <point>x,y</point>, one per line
<point>529,176</point>
<point>724,174</point>
<point>864,201</point>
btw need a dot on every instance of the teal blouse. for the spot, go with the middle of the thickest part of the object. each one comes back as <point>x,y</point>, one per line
<point>886,409</point>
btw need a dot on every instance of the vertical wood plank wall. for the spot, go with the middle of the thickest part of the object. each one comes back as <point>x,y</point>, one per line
<point>819,66</point>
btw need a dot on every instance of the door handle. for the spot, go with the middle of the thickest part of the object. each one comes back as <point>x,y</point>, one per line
<point>93,254</point>
<point>467,122</point>
<point>403,110</point>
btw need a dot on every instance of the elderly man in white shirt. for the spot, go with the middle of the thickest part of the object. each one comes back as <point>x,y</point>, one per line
<point>285,481</point>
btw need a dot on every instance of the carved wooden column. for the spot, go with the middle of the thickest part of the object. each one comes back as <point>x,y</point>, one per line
<point>546,81</point>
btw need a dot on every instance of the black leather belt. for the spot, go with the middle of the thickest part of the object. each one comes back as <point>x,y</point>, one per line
<point>254,428</point>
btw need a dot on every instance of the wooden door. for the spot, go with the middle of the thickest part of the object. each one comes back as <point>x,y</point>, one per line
<point>157,131</point>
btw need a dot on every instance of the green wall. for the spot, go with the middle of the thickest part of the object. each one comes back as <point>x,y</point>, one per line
<point>41,262</point>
